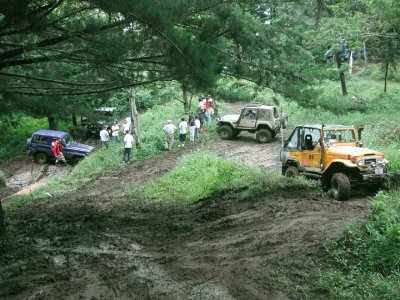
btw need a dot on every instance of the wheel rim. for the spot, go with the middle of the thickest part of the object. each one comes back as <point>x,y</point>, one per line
<point>41,158</point>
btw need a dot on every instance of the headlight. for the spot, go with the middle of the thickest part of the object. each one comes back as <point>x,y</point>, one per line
<point>382,161</point>
<point>361,162</point>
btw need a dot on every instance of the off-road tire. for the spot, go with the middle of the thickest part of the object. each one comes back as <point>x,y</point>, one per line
<point>41,158</point>
<point>226,132</point>
<point>340,186</point>
<point>292,171</point>
<point>235,133</point>
<point>263,136</point>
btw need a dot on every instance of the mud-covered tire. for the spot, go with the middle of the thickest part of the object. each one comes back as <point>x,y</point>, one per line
<point>226,132</point>
<point>41,158</point>
<point>340,186</point>
<point>292,171</point>
<point>284,120</point>
<point>263,136</point>
<point>235,133</point>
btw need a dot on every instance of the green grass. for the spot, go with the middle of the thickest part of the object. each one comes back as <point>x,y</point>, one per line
<point>365,264</point>
<point>201,175</point>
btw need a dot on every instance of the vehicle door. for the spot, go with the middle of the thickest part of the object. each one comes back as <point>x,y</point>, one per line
<point>248,118</point>
<point>310,149</point>
<point>41,143</point>
<point>291,150</point>
<point>68,145</point>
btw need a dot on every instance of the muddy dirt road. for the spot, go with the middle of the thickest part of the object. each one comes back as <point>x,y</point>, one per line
<point>95,244</point>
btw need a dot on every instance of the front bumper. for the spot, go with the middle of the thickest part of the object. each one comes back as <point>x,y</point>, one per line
<point>374,177</point>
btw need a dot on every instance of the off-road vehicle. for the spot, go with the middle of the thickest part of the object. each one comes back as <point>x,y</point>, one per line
<point>101,117</point>
<point>40,146</point>
<point>333,154</point>
<point>261,119</point>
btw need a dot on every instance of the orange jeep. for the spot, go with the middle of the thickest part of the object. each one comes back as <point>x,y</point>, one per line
<point>333,154</point>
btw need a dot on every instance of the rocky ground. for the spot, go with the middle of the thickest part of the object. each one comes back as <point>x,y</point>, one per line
<point>95,244</point>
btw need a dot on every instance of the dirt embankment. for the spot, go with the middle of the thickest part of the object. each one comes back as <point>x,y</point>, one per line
<point>94,244</point>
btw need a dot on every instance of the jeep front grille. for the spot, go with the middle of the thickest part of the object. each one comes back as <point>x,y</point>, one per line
<point>368,161</point>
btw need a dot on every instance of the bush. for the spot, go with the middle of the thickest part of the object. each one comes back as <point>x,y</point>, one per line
<point>366,262</point>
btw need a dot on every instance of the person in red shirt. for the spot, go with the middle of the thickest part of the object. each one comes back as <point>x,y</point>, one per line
<point>208,102</point>
<point>57,151</point>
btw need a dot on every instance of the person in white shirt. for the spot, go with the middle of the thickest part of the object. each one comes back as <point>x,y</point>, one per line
<point>104,137</point>
<point>182,132</point>
<point>198,125</point>
<point>169,130</point>
<point>127,125</point>
<point>128,144</point>
<point>115,132</point>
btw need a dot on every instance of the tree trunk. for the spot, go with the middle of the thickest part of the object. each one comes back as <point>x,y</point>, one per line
<point>2,222</point>
<point>74,122</point>
<point>134,116</point>
<point>52,122</point>
<point>386,75</point>
<point>318,14</point>
<point>365,54</point>
<point>341,74</point>
<point>185,99</point>
<point>351,63</point>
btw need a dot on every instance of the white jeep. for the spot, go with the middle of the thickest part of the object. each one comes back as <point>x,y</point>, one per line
<point>261,119</point>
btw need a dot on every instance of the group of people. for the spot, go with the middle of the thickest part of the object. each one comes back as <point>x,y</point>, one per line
<point>206,109</point>
<point>113,133</point>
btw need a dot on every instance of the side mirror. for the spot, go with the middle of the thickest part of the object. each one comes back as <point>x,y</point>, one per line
<point>360,143</point>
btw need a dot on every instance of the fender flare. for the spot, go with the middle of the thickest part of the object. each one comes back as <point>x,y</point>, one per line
<point>344,162</point>
<point>339,165</point>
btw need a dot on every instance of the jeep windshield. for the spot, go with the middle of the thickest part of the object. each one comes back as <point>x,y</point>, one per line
<point>342,135</point>
<point>68,140</point>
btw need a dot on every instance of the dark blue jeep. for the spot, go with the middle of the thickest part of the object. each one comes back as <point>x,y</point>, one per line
<point>40,146</point>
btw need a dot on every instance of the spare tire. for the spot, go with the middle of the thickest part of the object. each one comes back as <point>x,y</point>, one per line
<point>284,120</point>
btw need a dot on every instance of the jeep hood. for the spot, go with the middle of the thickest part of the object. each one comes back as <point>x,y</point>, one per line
<point>80,148</point>
<point>353,151</point>
<point>230,118</point>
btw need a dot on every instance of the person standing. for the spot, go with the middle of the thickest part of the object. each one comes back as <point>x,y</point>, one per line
<point>182,132</point>
<point>104,137</point>
<point>192,128</point>
<point>57,151</point>
<point>115,132</point>
<point>128,144</point>
<point>197,127</point>
<point>127,125</point>
<point>208,114</point>
<point>169,130</point>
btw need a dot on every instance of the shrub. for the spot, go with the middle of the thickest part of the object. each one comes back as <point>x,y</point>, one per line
<point>366,262</point>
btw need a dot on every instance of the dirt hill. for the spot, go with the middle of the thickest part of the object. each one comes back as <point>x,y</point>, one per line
<point>94,244</point>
